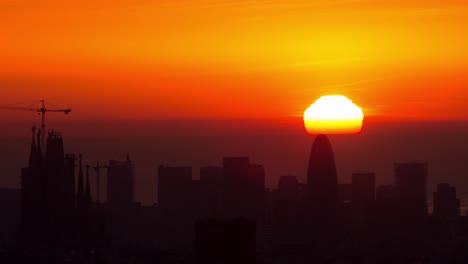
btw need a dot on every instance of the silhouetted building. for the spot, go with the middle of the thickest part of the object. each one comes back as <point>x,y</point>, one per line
<point>244,188</point>
<point>446,203</point>
<point>207,193</point>
<point>10,210</point>
<point>48,193</point>
<point>386,193</point>
<point>322,185</point>
<point>175,193</point>
<point>285,205</point>
<point>410,181</point>
<point>120,183</point>
<point>174,188</point>
<point>80,193</point>
<point>212,174</point>
<point>387,205</point>
<point>229,241</point>
<point>363,195</point>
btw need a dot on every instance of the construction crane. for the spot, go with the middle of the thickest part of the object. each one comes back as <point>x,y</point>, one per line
<point>42,111</point>
<point>97,169</point>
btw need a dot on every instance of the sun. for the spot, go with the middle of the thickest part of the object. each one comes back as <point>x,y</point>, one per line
<point>333,114</point>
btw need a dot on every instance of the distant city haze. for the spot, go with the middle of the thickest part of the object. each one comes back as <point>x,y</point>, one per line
<point>281,145</point>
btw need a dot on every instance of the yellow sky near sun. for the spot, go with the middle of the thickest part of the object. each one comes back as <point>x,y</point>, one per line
<point>236,58</point>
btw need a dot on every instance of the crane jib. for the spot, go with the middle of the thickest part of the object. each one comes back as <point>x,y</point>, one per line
<point>41,110</point>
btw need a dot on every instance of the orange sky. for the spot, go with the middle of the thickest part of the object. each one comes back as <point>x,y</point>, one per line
<point>235,58</point>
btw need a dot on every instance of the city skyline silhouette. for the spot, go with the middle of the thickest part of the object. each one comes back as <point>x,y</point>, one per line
<point>184,217</point>
<point>233,131</point>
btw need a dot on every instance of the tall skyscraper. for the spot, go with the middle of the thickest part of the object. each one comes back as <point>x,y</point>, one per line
<point>120,183</point>
<point>322,185</point>
<point>446,203</point>
<point>207,193</point>
<point>244,188</point>
<point>410,182</point>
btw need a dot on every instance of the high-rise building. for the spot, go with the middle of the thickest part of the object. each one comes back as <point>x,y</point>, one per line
<point>244,188</point>
<point>322,185</point>
<point>174,189</point>
<point>120,183</point>
<point>446,203</point>
<point>386,193</point>
<point>410,182</point>
<point>207,193</point>
<point>284,206</point>
<point>175,193</point>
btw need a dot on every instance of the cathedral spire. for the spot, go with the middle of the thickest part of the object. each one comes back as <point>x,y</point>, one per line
<point>39,146</point>
<point>33,154</point>
<point>80,191</point>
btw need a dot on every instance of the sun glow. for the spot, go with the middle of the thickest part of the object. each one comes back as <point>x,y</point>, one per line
<point>333,114</point>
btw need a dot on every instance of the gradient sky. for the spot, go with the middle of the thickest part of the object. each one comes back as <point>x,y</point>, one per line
<point>141,59</point>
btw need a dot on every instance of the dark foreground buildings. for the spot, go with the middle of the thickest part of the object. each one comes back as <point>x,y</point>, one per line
<point>228,215</point>
<point>120,189</point>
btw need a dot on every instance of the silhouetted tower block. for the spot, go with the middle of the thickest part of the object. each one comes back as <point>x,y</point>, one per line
<point>322,185</point>
<point>285,201</point>
<point>10,209</point>
<point>174,189</point>
<point>120,183</point>
<point>387,210</point>
<point>229,241</point>
<point>410,180</point>
<point>235,173</point>
<point>363,194</point>
<point>256,189</point>
<point>70,163</point>
<point>212,174</point>
<point>244,188</point>
<point>387,193</point>
<point>446,204</point>
<point>207,193</point>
